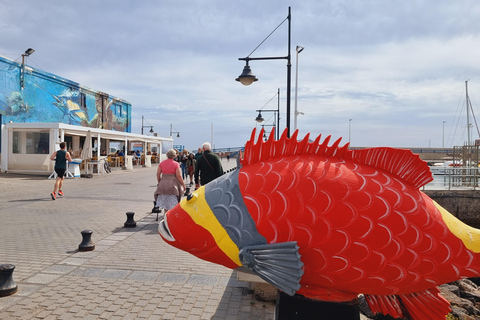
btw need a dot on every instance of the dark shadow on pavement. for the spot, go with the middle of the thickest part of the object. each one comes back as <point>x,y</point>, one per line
<point>237,292</point>
<point>23,176</point>
<point>31,200</point>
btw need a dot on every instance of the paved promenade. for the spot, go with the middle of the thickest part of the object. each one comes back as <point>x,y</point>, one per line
<point>131,274</point>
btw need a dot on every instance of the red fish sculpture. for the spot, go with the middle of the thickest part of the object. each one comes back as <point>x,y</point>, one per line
<point>330,223</point>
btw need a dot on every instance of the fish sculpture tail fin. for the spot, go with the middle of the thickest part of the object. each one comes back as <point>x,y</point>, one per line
<point>428,304</point>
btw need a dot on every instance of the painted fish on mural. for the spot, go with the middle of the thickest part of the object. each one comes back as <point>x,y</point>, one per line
<point>330,223</point>
<point>71,110</point>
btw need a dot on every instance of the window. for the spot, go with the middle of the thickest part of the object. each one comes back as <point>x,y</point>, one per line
<point>16,142</point>
<point>31,142</point>
<point>83,100</point>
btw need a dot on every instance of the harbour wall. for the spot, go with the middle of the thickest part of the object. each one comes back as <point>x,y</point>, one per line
<point>463,204</point>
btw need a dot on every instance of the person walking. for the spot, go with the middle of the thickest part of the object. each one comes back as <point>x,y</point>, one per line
<point>170,186</point>
<point>191,166</point>
<point>183,163</point>
<point>60,157</point>
<point>198,154</point>
<point>208,166</point>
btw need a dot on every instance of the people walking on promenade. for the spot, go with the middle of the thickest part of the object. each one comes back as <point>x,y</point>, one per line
<point>60,157</point>
<point>170,186</point>
<point>208,167</point>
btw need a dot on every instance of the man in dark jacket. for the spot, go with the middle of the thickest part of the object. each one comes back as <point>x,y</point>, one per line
<point>208,167</point>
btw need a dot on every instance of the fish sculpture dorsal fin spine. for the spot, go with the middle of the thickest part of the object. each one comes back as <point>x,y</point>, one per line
<point>399,162</point>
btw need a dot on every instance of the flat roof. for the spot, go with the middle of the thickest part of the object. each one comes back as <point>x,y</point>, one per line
<point>82,131</point>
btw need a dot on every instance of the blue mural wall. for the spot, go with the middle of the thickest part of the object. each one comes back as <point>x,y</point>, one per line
<point>46,97</point>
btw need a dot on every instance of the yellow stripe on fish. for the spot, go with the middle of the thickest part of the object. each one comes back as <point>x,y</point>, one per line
<point>199,210</point>
<point>469,236</point>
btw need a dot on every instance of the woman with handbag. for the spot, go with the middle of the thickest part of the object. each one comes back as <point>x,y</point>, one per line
<point>170,186</point>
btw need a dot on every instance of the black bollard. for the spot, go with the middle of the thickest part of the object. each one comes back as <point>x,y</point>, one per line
<point>7,285</point>
<point>155,208</point>
<point>187,191</point>
<point>301,308</point>
<point>87,244</point>
<point>130,223</point>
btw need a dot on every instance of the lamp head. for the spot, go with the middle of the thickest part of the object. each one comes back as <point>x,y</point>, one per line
<point>178,134</point>
<point>29,51</point>
<point>259,118</point>
<point>300,49</point>
<point>151,129</point>
<point>247,78</point>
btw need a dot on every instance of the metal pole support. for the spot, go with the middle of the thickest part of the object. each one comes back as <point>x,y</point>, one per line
<point>130,223</point>
<point>87,244</point>
<point>7,285</point>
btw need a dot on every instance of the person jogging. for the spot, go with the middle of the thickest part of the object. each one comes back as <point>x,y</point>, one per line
<point>60,157</point>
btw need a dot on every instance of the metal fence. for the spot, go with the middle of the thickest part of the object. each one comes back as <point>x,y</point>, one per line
<point>456,178</point>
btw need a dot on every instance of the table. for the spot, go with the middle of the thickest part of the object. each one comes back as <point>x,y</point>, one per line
<point>117,161</point>
<point>99,164</point>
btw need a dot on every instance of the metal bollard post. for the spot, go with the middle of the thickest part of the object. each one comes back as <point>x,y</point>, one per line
<point>7,285</point>
<point>87,244</point>
<point>130,223</point>
<point>155,209</point>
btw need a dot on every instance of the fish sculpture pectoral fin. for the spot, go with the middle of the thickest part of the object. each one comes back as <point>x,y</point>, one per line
<point>428,304</point>
<point>278,264</point>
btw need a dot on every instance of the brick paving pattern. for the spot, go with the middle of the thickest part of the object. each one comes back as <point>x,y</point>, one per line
<point>131,274</point>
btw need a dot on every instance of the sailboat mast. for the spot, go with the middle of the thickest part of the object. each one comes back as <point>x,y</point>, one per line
<point>468,113</point>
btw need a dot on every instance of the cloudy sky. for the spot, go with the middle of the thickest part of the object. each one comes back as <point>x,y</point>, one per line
<point>375,72</point>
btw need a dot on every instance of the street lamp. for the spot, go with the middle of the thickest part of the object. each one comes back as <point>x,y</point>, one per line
<point>247,78</point>
<point>171,128</point>
<point>27,53</point>
<point>260,119</point>
<point>151,127</point>
<point>298,49</point>
<point>265,138</point>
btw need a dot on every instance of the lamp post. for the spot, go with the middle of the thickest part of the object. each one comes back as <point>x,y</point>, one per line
<point>171,131</point>
<point>260,119</point>
<point>349,129</point>
<point>27,53</point>
<point>151,127</point>
<point>247,78</point>
<point>296,113</point>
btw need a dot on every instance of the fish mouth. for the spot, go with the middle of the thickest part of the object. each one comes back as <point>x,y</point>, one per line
<point>164,230</point>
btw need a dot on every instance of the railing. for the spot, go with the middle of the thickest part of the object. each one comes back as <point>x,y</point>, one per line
<point>455,178</point>
<point>228,150</point>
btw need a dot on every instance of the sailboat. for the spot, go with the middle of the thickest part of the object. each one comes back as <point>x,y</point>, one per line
<point>445,167</point>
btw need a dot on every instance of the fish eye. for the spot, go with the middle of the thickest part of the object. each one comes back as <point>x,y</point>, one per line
<point>191,197</point>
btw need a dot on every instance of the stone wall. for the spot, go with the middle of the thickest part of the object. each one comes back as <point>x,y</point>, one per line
<point>463,204</point>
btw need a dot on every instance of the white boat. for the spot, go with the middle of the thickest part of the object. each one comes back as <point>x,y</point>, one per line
<point>444,167</point>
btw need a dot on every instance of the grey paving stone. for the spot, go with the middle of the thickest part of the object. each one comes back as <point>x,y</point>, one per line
<point>115,274</point>
<point>173,277</point>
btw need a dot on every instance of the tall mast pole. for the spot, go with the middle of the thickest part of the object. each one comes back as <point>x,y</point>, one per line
<point>468,113</point>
